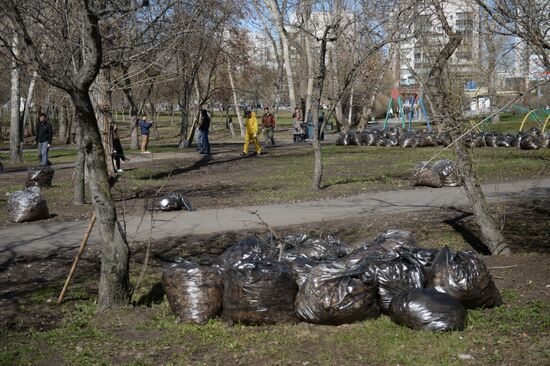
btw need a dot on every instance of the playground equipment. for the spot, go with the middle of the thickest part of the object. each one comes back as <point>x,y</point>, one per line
<point>541,116</point>
<point>415,99</point>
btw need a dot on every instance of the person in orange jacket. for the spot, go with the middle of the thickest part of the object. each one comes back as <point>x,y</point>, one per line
<point>251,133</point>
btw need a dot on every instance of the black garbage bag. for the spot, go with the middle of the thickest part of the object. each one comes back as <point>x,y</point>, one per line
<point>365,252</point>
<point>427,309</point>
<point>27,205</point>
<point>299,267</point>
<point>535,131</point>
<point>371,139</point>
<point>40,176</point>
<point>444,139</point>
<point>315,248</point>
<point>491,140</point>
<point>252,249</point>
<point>340,140</point>
<point>528,141</point>
<point>194,292</point>
<point>473,140</point>
<point>334,294</point>
<point>259,293</point>
<point>545,140</point>
<point>408,139</point>
<point>174,202</point>
<point>394,238</point>
<point>465,277</point>
<point>393,132</point>
<point>422,256</point>
<point>394,275</point>
<point>506,140</point>
<point>391,141</point>
<point>426,175</point>
<point>425,139</point>
<point>448,172</point>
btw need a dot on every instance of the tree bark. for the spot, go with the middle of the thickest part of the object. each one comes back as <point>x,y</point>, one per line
<point>235,101</point>
<point>103,108</point>
<point>28,102</point>
<point>16,133</point>
<point>62,130</point>
<point>79,188</point>
<point>114,279</point>
<point>338,113</point>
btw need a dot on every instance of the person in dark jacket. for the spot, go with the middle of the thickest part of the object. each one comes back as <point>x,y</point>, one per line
<point>268,123</point>
<point>144,128</point>
<point>204,127</point>
<point>118,153</point>
<point>44,136</point>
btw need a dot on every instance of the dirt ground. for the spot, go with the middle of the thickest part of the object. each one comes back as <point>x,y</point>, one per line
<point>26,276</point>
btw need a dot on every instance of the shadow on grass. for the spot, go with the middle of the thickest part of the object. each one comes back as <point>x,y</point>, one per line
<point>468,235</point>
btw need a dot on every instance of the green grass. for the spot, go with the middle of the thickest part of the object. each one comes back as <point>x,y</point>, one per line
<point>148,336</point>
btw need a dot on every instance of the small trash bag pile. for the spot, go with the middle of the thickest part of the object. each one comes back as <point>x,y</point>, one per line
<point>40,176</point>
<point>322,281</point>
<point>441,173</point>
<point>173,202</point>
<point>27,205</point>
<point>395,136</point>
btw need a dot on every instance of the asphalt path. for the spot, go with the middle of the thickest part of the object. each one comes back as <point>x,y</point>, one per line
<point>27,237</point>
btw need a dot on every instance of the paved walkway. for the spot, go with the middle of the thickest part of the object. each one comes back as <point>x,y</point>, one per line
<point>31,236</point>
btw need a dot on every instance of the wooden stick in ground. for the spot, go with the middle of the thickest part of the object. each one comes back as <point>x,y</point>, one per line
<point>77,258</point>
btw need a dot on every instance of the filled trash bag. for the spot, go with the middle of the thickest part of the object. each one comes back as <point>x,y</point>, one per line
<point>393,132</point>
<point>474,140</point>
<point>259,293</point>
<point>408,139</point>
<point>444,139</point>
<point>40,176</point>
<point>393,238</point>
<point>391,141</point>
<point>505,140</point>
<point>194,292</point>
<point>367,251</point>
<point>426,175</point>
<point>491,140</point>
<point>528,141</point>
<point>27,205</point>
<point>393,275</point>
<point>315,248</point>
<point>174,202</point>
<point>252,249</point>
<point>465,277</point>
<point>346,139</point>
<point>545,140</point>
<point>425,139</point>
<point>334,294</point>
<point>427,309</point>
<point>448,172</point>
<point>424,257</point>
<point>299,267</point>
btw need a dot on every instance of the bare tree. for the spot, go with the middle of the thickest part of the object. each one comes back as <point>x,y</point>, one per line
<point>70,32</point>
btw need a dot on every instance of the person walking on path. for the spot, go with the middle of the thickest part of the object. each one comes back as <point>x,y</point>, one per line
<point>251,133</point>
<point>44,136</point>
<point>268,123</point>
<point>297,131</point>
<point>204,127</point>
<point>144,127</point>
<point>118,152</point>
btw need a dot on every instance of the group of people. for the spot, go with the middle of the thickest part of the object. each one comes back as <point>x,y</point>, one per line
<point>304,131</point>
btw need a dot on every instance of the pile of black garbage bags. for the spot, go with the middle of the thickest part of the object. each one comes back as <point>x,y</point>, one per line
<point>324,281</point>
<point>29,204</point>
<point>395,136</point>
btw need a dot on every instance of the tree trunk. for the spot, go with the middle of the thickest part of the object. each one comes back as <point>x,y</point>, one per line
<point>367,111</point>
<point>103,107</point>
<point>235,101</point>
<point>492,71</point>
<point>62,130</point>
<point>490,235</point>
<point>350,112</point>
<point>79,189</point>
<point>128,92</point>
<point>114,276</point>
<point>16,133</point>
<point>28,103</point>
<point>338,113</point>
<point>310,75</point>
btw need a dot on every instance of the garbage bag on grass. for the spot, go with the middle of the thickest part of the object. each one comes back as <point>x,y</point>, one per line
<point>252,249</point>
<point>40,176</point>
<point>393,275</point>
<point>422,256</point>
<point>427,309</point>
<point>465,277</point>
<point>545,140</point>
<point>393,238</point>
<point>528,141</point>
<point>448,172</point>
<point>27,205</point>
<point>408,139</point>
<point>505,140</point>
<point>299,267</point>
<point>315,248</point>
<point>334,294</point>
<point>259,293</point>
<point>426,175</point>
<point>174,202</point>
<point>194,292</point>
<point>425,139</point>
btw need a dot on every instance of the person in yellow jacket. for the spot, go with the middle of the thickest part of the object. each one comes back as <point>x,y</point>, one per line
<point>251,133</point>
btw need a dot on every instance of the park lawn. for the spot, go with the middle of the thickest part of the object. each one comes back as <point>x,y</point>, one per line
<point>283,175</point>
